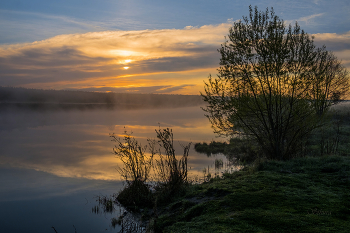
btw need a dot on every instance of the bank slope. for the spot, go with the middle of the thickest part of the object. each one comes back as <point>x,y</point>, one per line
<point>301,195</point>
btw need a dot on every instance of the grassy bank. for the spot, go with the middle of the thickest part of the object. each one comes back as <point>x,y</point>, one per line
<point>301,195</point>
<point>309,193</point>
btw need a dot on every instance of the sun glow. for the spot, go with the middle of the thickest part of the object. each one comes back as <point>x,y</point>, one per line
<point>124,53</point>
<point>107,57</point>
<point>125,62</point>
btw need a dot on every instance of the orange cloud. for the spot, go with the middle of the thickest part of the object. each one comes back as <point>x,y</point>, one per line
<point>338,43</point>
<point>179,59</point>
<point>153,58</point>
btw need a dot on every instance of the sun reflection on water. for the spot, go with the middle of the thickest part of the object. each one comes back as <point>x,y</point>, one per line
<point>77,144</point>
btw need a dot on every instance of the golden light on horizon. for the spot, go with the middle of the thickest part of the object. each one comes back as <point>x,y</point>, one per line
<point>172,61</point>
<point>107,57</point>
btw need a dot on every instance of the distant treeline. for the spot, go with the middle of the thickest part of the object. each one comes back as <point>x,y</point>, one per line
<point>16,95</point>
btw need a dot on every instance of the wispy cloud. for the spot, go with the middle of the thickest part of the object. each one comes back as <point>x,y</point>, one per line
<point>306,20</point>
<point>61,18</point>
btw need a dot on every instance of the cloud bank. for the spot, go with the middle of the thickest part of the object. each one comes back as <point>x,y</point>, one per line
<point>145,61</point>
<point>115,59</point>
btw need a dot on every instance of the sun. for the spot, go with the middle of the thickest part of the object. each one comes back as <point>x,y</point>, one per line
<point>126,67</point>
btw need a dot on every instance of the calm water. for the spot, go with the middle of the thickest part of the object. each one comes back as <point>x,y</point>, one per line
<point>54,162</point>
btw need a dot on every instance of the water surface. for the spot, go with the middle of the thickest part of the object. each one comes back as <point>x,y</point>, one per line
<point>54,162</point>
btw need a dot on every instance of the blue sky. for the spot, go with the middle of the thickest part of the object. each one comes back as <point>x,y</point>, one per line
<point>27,21</point>
<point>44,30</point>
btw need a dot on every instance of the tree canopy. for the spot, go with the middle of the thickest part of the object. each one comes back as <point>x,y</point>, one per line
<point>273,85</point>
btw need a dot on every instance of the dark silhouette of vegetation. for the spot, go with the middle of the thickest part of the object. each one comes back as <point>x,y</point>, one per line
<point>125,220</point>
<point>211,148</point>
<point>41,99</point>
<point>75,229</point>
<point>137,165</point>
<point>136,169</point>
<point>331,139</point>
<point>136,195</point>
<point>238,150</point>
<point>105,205</point>
<point>139,196</point>
<point>274,86</point>
<point>170,172</point>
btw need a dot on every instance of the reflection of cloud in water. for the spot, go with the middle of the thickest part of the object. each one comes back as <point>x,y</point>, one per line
<point>77,144</point>
<point>34,201</point>
<point>27,184</point>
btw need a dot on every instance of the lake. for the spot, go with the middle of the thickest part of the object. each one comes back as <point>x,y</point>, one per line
<point>54,162</point>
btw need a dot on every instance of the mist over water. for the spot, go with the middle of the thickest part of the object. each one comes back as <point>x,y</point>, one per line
<point>53,162</point>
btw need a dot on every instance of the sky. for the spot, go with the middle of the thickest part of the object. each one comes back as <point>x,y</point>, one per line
<point>140,46</point>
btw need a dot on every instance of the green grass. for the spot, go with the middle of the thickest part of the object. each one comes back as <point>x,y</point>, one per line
<point>301,195</point>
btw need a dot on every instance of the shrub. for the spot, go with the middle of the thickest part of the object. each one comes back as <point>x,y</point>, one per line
<point>137,165</point>
<point>136,195</point>
<point>171,172</point>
